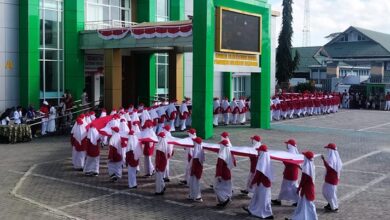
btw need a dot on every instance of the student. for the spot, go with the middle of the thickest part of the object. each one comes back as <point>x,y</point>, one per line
<point>333,167</point>
<point>161,163</point>
<point>256,143</point>
<point>223,178</point>
<point>260,204</point>
<point>189,153</point>
<point>133,153</point>
<point>196,169</point>
<point>115,159</point>
<point>79,144</point>
<point>92,161</point>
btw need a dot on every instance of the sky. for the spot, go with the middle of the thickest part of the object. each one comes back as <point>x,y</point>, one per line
<point>330,16</point>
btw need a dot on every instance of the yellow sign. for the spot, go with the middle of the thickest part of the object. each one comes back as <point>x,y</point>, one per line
<point>236,59</point>
<point>9,65</point>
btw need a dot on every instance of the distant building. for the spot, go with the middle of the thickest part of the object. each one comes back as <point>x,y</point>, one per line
<point>356,52</point>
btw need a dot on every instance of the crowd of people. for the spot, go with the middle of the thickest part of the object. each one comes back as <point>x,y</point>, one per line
<point>290,105</point>
<point>133,134</point>
<point>228,112</point>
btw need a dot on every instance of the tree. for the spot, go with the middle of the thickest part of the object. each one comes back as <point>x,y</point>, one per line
<point>285,64</point>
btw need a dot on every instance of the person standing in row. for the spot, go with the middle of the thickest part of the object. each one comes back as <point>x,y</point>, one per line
<point>256,142</point>
<point>225,107</point>
<point>288,189</point>
<point>167,131</point>
<point>306,210</point>
<point>161,163</point>
<point>333,167</point>
<point>223,177</point>
<point>115,158</point>
<point>260,204</point>
<point>196,170</point>
<point>44,111</point>
<point>79,143</point>
<point>133,153</point>
<point>92,161</point>
<point>216,111</point>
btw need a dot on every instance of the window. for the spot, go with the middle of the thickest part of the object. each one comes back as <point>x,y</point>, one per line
<point>239,86</point>
<point>51,49</point>
<point>162,73</point>
<point>107,13</point>
<point>162,10</point>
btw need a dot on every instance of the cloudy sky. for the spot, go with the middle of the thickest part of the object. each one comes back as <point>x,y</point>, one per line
<point>329,16</point>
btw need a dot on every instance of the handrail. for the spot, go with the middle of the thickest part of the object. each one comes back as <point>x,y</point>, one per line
<point>105,24</point>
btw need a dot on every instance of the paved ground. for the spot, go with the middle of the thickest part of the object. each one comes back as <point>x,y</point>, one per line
<point>38,181</point>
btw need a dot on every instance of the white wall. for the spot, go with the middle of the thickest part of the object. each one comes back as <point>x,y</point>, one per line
<point>274,39</point>
<point>9,53</point>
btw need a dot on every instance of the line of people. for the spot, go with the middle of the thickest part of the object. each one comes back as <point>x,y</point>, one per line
<point>288,106</point>
<point>126,150</point>
<point>233,112</point>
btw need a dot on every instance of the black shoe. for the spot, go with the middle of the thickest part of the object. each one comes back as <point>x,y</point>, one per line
<point>114,179</point>
<point>287,218</point>
<point>247,210</point>
<point>276,202</point>
<point>295,204</point>
<point>183,182</point>
<point>134,187</point>
<point>78,169</point>
<point>245,192</point>
<point>269,217</point>
<point>95,174</point>
<point>167,180</point>
<point>224,204</point>
<point>147,175</point>
<point>164,189</point>
<point>159,194</point>
<point>211,186</point>
<point>327,207</point>
<point>88,173</point>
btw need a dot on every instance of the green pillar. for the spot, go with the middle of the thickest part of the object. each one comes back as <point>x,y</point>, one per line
<point>260,96</point>
<point>146,12</point>
<point>29,52</point>
<point>203,67</point>
<point>73,56</point>
<point>227,85</point>
<point>176,10</point>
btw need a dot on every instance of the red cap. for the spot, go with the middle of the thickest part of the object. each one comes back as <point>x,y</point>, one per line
<point>291,142</point>
<point>131,132</point>
<point>116,129</point>
<point>116,116</point>
<point>82,116</point>
<point>263,147</point>
<point>331,146</point>
<point>197,140</point>
<point>161,134</point>
<point>91,113</point>
<point>224,142</point>
<point>167,127</point>
<point>256,138</point>
<point>191,131</point>
<point>79,121</point>
<point>123,120</point>
<point>225,134</point>
<point>308,154</point>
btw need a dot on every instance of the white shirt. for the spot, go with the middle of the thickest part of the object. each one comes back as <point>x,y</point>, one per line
<point>17,115</point>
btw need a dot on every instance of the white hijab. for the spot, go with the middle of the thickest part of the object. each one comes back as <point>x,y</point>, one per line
<point>123,128</point>
<point>225,154</point>
<point>144,117</point>
<point>334,161</point>
<point>264,164</point>
<point>79,132</point>
<point>93,135</point>
<point>216,104</point>
<point>134,145</point>
<point>292,149</point>
<point>171,108</point>
<point>198,152</point>
<point>115,141</point>
<point>309,168</point>
<point>162,145</point>
<point>225,104</point>
<point>183,107</point>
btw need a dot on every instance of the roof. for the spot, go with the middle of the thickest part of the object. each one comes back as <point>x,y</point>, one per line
<point>378,45</point>
<point>308,57</point>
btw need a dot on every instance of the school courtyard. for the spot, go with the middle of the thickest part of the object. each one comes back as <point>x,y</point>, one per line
<point>38,181</point>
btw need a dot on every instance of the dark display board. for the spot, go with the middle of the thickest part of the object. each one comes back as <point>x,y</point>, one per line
<point>239,32</point>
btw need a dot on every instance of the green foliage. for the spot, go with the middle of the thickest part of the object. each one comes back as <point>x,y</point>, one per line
<point>302,87</point>
<point>285,63</point>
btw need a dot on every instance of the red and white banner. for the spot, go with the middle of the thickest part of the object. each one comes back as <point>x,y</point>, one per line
<point>113,34</point>
<point>146,32</point>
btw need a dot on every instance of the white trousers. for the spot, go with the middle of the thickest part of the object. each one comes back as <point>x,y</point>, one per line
<point>78,158</point>
<point>194,184</point>
<point>132,176</point>
<point>183,124</point>
<point>172,124</point>
<point>148,165</point>
<point>306,210</point>
<point>160,185</point>
<point>387,106</point>
<point>223,190</point>
<point>243,118</point>
<point>44,126</point>
<point>92,164</point>
<point>166,173</point>
<point>215,119</point>
<point>235,117</point>
<point>260,204</point>
<point>115,168</point>
<point>226,118</point>
<point>288,191</point>
<point>329,192</point>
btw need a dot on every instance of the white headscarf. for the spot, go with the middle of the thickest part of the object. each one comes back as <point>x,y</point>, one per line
<point>115,141</point>
<point>171,108</point>
<point>183,107</point>
<point>123,128</point>
<point>264,164</point>
<point>292,149</point>
<point>256,144</point>
<point>225,104</point>
<point>79,132</point>
<point>216,104</point>
<point>198,152</point>
<point>134,145</point>
<point>225,154</point>
<point>93,135</point>
<point>103,114</point>
<point>309,168</point>
<point>334,161</point>
<point>144,117</point>
<point>162,145</point>
<point>153,113</point>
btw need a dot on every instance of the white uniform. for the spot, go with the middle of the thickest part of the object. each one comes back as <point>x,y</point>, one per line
<point>196,164</point>
<point>329,191</point>
<point>79,133</point>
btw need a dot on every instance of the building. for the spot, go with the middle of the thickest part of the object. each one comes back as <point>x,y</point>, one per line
<point>132,51</point>
<point>356,52</point>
